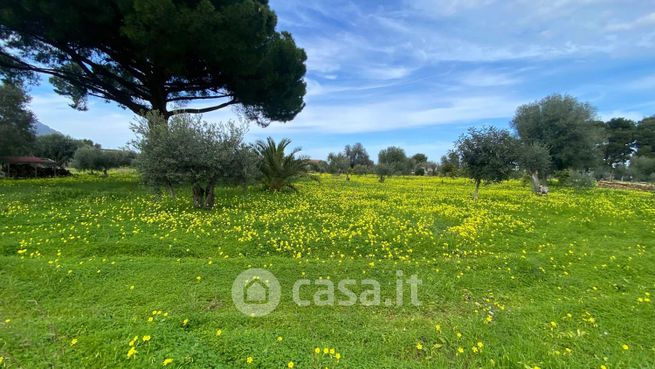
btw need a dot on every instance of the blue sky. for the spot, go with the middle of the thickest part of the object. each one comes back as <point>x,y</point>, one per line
<point>418,73</point>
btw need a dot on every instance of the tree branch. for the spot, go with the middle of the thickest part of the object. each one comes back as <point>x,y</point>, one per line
<point>203,110</point>
<point>182,98</point>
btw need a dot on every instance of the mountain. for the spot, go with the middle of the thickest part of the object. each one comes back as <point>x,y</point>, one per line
<point>41,129</point>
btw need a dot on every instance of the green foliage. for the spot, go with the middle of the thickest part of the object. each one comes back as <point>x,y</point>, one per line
<point>565,126</point>
<point>645,140</point>
<point>534,158</point>
<point>145,54</point>
<point>90,158</point>
<point>450,165</point>
<point>487,154</point>
<point>394,160</point>
<point>338,163</point>
<point>642,168</point>
<point>357,155</point>
<point>621,134</point>
<point>279,171</point>
<point>58,147</point>
<point>419,158</point>
<point>318,166</point>
<point>383,171</point>
<point>16,121</point>
<point>576,179</point>
<point>194,152</point>
<point>419,171</point>
<point>361,169</point>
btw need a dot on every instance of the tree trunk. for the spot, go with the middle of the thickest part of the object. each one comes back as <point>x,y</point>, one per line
<point>198,195</point>
<point>535,181</point>
<point>209,192</point>
<point>477,189</point>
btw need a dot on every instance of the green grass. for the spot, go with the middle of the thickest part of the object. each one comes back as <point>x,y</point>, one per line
<point>548,282</point>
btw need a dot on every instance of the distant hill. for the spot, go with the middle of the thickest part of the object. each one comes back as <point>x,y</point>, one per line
<point>42,130</point>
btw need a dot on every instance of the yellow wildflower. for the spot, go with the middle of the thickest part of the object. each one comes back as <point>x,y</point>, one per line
<point>167,361</point>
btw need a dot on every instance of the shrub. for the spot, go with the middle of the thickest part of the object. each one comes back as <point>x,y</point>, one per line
<point>279,170</point>
<point>577,179</point>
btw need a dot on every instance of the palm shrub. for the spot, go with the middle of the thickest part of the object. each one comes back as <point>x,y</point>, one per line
<point>279,170</point>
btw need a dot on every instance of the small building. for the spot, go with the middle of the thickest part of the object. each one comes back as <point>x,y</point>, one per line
<point>30,167</point>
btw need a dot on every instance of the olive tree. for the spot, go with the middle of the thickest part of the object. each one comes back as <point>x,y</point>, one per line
<point>190,151</point>
<point>94,158</point>
<point>487,154</point>
<point>563,125</point>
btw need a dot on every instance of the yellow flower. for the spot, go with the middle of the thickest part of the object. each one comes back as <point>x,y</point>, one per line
<point>219,332</point>
<point>146,338</point>
<point>2,359</point>
<point>198,278</point>
<point>332,351</point>
<point>603,366</point>
<point>249,360</point>
<point>480,344</point>
<point>7,321</point>
<point>419,346</point>
<point>279,338</point>
<point>337,355</point>
<point>317,350</point>
<point>185,322</point>
<point>326,350</point>
<point>459,335</point>
<point>553,324</point>
<point>460,350</point>
<point>167,361</point>
<point>150,319</point>
<point>437,328</point>
<point>74,342</point>
<point>626,347</point>
<point>131,353</point>
<point>290,365</point>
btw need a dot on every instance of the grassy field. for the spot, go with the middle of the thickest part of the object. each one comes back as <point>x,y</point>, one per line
<point>97,273</point>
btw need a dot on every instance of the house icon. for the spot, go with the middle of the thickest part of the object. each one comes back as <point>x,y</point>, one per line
<point>256,292</point>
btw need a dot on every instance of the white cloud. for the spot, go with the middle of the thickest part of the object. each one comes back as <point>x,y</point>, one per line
<point>482,78</point>
<point>396,112</point>
<point>644,21</point>
<point>102,123</point>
